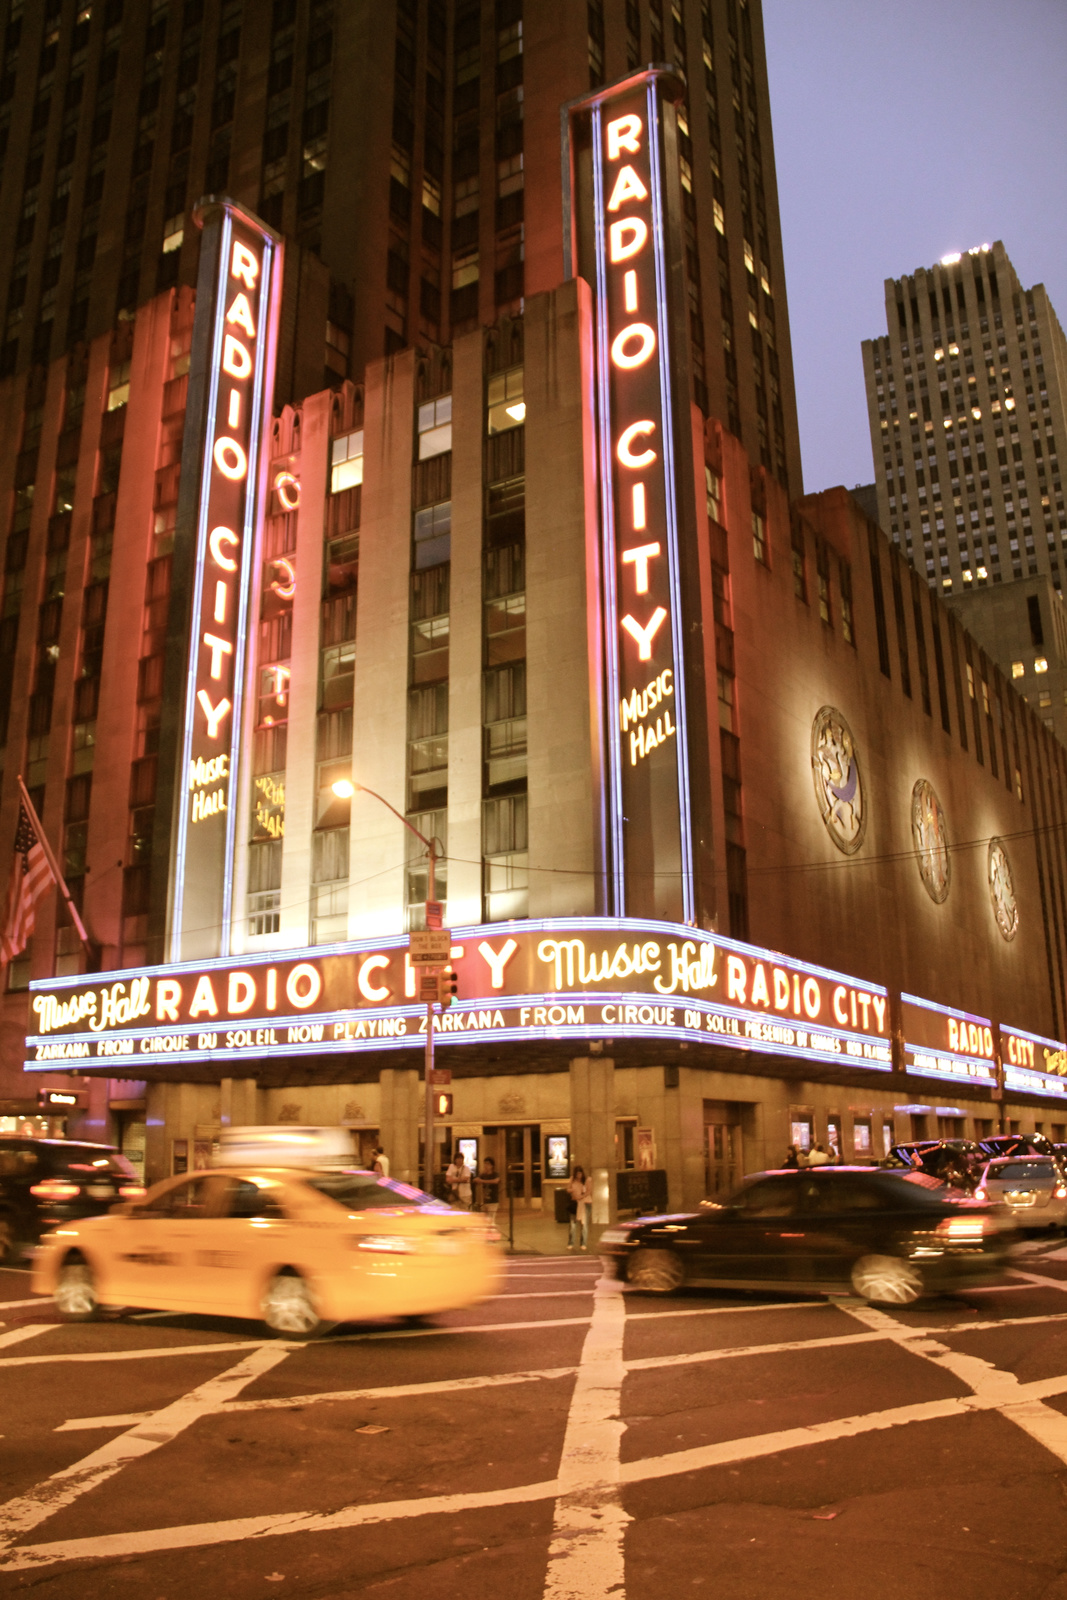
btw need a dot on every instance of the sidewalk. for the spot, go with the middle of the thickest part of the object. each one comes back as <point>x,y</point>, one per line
<point>537,1234</point>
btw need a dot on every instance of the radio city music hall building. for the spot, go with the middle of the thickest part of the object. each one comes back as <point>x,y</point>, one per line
<point>746,841</point>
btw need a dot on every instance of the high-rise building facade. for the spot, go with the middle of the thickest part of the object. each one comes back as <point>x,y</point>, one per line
<point>410,155</point>
<point>745,841</point>
<point>967,399</point>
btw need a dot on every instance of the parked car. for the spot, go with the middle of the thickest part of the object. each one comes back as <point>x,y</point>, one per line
<point>301,1249</point>
<point>1032,1186</point>
<point>954,1161</point>
<point>1017,1144</point>
<point>886,1236</point>
<point>47,1182</point>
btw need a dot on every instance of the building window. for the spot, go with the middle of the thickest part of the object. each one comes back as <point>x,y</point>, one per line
<point>346,462</point>
<point>506,406</point>
<point>435,427</point>
<point>759,538</point>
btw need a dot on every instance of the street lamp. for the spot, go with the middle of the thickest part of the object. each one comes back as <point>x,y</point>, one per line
<point>345,788</point>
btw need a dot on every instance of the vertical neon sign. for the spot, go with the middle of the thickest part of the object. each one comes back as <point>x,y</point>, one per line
<point>237,315</point>
<point>645,679</point>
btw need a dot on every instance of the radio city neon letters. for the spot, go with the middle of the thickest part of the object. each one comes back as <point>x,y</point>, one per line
<point>238,297</point>
<point>650,868</point>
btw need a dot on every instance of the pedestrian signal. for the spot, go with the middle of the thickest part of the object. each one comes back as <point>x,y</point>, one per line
<point>442,1105</point>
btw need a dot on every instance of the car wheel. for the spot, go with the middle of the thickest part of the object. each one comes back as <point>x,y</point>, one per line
<point>75,1294</point>
<point>887,1280</point>
<point>655,1271</point>
<point>288,1308</point>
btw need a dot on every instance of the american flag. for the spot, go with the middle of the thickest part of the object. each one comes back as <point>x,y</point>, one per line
<point>30,877</point>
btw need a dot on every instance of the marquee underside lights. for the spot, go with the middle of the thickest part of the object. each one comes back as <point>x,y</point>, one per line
<point>626,244</point>
<point>234,341</point>
<point>576,979</point>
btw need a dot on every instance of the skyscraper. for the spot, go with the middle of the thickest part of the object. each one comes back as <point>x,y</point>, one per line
<point>967,398</point>
<point>527,562</point>
<point>409,154</point>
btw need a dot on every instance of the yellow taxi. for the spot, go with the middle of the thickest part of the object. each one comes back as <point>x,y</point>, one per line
<point>301,1249</point>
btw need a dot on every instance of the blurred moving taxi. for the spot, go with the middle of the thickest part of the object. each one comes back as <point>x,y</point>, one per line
<point>301,1249</point>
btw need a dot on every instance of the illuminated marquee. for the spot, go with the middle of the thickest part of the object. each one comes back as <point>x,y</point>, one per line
<point>233,342</point>
<point>641,459</point>
<point>1033,1064</point>
<point>575,978</point>
<point>953,1045</point>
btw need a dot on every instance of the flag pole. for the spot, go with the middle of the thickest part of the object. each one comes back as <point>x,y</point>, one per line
<point>53,867</point>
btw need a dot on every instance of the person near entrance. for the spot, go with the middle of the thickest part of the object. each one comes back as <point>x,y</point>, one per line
<point>579,1205</point>
<point>488,1183</point>
<point>458,1181</point>
<point>380,1163</point>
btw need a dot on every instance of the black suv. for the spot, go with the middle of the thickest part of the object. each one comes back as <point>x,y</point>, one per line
<point>886,1236</point>
<point>46,1182</point>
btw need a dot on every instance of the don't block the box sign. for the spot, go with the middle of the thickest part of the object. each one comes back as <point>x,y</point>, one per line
<point>231,383</point>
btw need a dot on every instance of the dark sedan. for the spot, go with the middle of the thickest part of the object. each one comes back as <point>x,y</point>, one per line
<point>886,1236</point>
<point>47,1182</point>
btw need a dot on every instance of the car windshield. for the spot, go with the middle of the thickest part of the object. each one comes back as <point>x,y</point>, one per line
<point>1015,1170</point>
<point>86,1161</point>
<point>364,1191</point>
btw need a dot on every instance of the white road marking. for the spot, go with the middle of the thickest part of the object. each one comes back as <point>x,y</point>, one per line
<point>295,1402</point>
<point>1039,1281</point>
<point>586,1559</point>
<point>545,1294</point>
<point>211,1533</point>
<point>17,1335</point>
<point>137,1355</point>
<point>993,1387</point>
<point>17,1516</point>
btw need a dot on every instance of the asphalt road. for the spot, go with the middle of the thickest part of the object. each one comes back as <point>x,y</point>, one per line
<point>563,1440</point>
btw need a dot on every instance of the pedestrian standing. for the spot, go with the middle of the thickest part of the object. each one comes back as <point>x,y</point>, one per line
<point>488,1181</point>
<point>380,1164</point>
<point>792,1160</point>
<point>579,1205</point>
<point>818,1157</point>
<point>458,1179</point>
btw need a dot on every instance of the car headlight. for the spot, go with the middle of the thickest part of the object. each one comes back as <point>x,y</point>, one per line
<point>384,1243</point>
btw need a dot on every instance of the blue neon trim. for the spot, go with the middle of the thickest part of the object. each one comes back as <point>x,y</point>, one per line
<point>1033,1038</point>
<point>946,1011</point>
<point>670,505</point>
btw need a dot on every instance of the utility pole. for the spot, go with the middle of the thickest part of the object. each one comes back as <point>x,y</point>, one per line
<point>428,952</point>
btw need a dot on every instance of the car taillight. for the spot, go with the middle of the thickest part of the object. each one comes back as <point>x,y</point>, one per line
<point>131,1191</point>
<point>962,1228</point>
<point>55,1189</point>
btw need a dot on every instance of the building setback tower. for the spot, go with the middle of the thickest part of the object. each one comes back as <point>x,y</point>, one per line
<point>409,153</point>
<point>967,398</point>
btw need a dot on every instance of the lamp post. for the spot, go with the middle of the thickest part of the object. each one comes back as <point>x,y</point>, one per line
<point>346,788</point>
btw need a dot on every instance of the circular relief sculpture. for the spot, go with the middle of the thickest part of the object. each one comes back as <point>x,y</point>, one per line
<point>930,833</point>
<point>1002,890</point>
<point>835,769</point>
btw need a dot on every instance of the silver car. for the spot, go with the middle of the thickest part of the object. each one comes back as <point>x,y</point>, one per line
<point>1033,1186</point>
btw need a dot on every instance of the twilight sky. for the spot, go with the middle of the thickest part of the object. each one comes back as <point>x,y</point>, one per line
<point>903,130</point>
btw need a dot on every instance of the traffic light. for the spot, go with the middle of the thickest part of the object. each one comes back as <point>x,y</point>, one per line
<point>447,984</point>
<point>442,1104</point>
